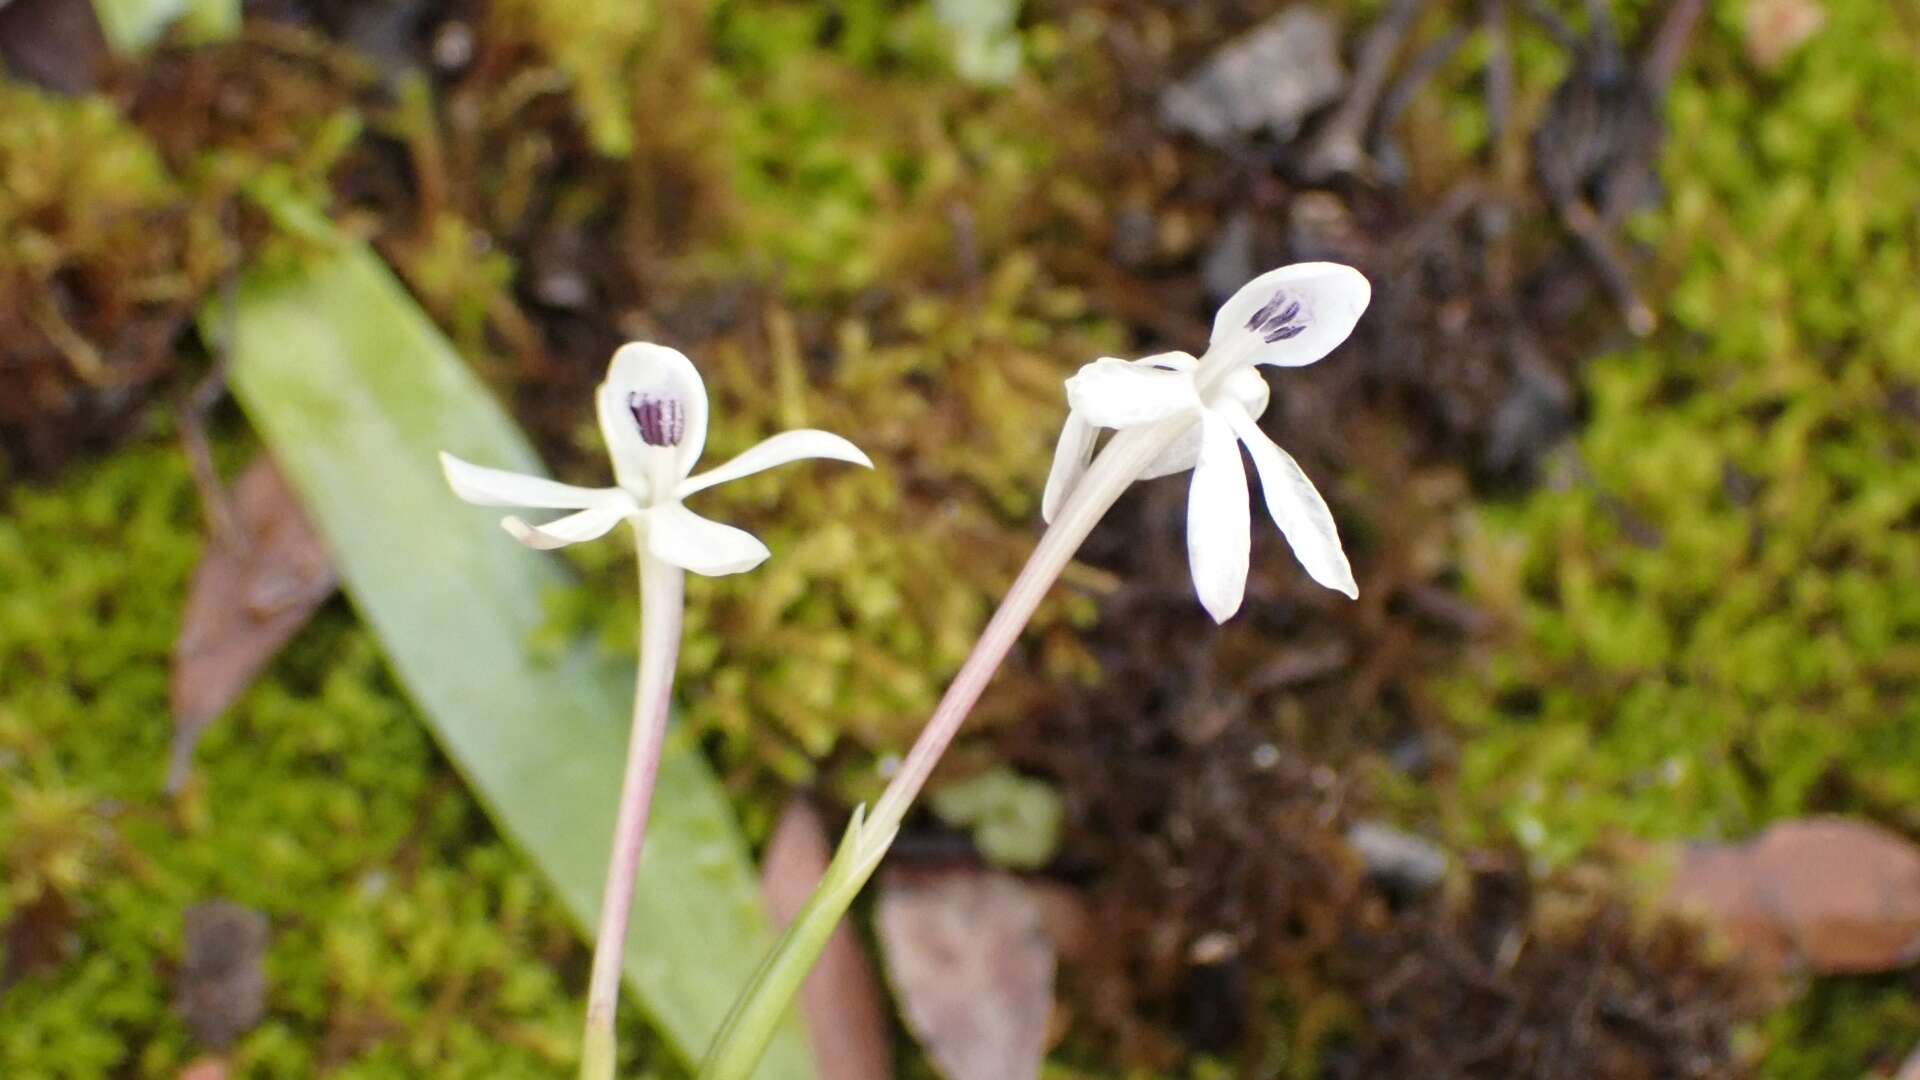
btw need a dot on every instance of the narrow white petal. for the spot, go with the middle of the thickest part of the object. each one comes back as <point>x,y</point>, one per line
<point>1305,309</point>
<point>588,524</point>
<point>778,450</point>
<point>1218,525</point>
<point>1116,394</point>
<point>1070,457</point>
<point>646,375</point>
<point>691,542</point>
<point>482,486</point>
<point>1297,508</point>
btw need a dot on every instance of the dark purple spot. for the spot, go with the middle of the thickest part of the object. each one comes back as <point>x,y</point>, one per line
<point>1285,332</point>
<point>662,420</point>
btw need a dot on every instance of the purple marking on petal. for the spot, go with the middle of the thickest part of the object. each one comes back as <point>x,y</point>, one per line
<point>1266,312</point>
<point>662,420</point>
<point>1275,321</point>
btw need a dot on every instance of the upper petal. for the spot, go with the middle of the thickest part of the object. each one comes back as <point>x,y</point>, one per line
<point>1070,457</point>
<point>1297,508</point>
<point>778,450</point>
<point>653,415</point>
<point>687,540</point>
<point>1218,524</point>
<point>588,524</point>
<point>482,486</point>
<point>1294,315</point>
<point>1116,394</point>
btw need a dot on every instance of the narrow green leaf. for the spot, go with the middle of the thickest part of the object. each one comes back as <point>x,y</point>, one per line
<point>355,390</point>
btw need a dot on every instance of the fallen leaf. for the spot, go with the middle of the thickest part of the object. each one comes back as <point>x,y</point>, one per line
<point>1832,895</point>
<point>53,43</point>
<point>1269,78</point>
<point>222,988</point>
<point>206,1068</point>
<point>841,998</point>
<point>971,960</point>
<point>1777,28</point>
<point>253,591</point>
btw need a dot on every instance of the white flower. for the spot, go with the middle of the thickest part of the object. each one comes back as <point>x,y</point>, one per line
<point>653,416</point>
<point>1287,317</point>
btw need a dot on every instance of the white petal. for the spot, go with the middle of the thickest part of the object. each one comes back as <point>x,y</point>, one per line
<point>691,542</point>
<point>1247,387</point>
<point>1116,394</point>
<point>1218,525</point>
<point>1070,457</point>
<point>1176,458</point>
<point>643,373</point>
<point>498,487</point>
<point>1297,508</point>
<point>778,450</point>
<point>1325,301</point>
<point>588,524</point>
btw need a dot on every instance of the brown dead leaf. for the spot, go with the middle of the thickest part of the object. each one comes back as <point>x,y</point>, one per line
<point>254,590</point>
<point>206,1068</point>
<point>971,959</point>
<point>57,44</point>
<point>841,998</point>
<point>1837,896</point>
<point>222,985</point>
<point>1777,28</point>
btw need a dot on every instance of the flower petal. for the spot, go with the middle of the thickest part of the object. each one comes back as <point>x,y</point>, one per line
<point>1294,315</point>
<point>1218,522</point>
<point>653,415</point>
<point>778,450</point>
<point>1070,457</point>
<point>498,487</point>
<point>1297,508</point>
<point>1178,457</point>
<point>1117,394</point>
<point>588,524</point>
<point>691,542</point>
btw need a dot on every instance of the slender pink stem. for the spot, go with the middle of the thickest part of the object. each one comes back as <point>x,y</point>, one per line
<point>1116,467</point>
<point>662,589</point>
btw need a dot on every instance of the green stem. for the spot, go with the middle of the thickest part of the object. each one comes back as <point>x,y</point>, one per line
<point>744,1036</point>
<point>662,591</point>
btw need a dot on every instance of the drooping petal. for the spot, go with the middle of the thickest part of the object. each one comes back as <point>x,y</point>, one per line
<point>1218,536</point>
<point>1294,315</point>
<point>653,415</point>
<point>1070,457</point>
<point>778,450</point>
<point>588,524</point>
<point>1297,508</point>
<point>691,542</point>
<point>482,486</point>
<point>1117,394</point>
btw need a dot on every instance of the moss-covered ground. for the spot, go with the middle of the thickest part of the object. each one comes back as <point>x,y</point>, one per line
<point>1705,605</point>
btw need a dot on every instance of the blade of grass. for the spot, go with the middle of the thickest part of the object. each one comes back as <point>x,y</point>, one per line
<point>354,390</point>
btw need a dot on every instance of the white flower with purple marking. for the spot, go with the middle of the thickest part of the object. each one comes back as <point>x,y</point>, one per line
<point>653,416</point>
<point>1288,317</point>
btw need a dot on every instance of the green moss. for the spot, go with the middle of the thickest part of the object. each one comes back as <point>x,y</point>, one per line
<point>1712,596</point>
<point>407,937</point>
